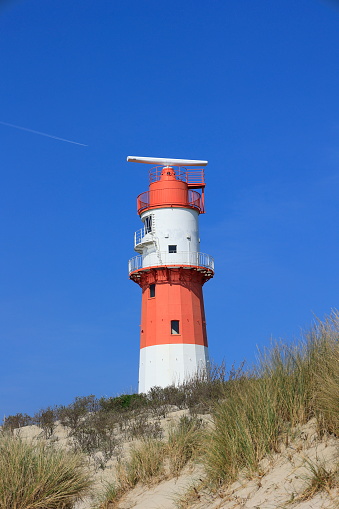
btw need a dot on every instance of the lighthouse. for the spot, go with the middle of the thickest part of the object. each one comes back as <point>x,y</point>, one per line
<point>171,271</point>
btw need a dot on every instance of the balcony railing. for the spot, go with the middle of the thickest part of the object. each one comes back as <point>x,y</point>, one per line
<point>163,258</point>
<point>164,198</point>
<point>139,235</point>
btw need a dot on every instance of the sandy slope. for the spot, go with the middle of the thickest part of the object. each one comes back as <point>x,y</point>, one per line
<point>282,479</point>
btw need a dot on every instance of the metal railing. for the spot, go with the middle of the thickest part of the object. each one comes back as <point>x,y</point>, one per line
<point>163,258</point>
<point>164,197</point>
<point>190,176</point>
<point>134,263</point>
<point>139,235</point>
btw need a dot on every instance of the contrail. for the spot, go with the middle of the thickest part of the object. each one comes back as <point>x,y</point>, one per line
<point>42,134</point>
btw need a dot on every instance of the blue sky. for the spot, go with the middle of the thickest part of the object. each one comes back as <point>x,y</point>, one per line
<point>250,85</point>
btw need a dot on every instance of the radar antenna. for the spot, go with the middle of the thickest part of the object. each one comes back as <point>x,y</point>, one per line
<point>162,161</point>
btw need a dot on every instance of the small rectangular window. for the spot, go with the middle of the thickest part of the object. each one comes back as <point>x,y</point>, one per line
<point>148,224</point>
<point>172,249</point>
<point>175,327</point>
<point>152,290</point>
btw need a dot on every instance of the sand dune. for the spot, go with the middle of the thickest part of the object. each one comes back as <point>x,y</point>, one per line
<point>283,477</point>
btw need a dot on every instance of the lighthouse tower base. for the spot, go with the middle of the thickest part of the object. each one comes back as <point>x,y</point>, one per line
<point>164,365</point>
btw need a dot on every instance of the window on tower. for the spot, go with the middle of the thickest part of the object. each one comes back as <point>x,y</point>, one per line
<point>152,290</point>
<point>148,224</point>
<point>175,327</point>
<point>172,249</point>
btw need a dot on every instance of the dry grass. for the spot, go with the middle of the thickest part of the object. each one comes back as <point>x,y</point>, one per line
<point>36,476</point>
<point>319,479</point>
<point>191,495</point>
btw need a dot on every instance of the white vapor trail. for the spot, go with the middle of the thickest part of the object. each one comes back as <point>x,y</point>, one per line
<point>42,134</point>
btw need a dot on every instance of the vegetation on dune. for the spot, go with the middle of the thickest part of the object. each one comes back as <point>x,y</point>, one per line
<point>37,476</point>
<point>253,413</point>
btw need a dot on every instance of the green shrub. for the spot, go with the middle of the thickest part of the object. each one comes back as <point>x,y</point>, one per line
<point>123,403</point>
<point>37,476</point>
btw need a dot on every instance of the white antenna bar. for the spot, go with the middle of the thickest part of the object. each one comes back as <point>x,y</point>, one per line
<point>166,162</point>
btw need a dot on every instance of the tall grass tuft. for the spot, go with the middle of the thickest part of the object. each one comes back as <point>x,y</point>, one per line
<point>145,464</point>
<point>36,476</point>
<point>184,443</point>
<point>247,428</point>
<point>290,384</point>
<point>326,399</point>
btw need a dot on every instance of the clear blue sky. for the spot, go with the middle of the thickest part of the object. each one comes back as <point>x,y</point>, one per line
<point>250,85</point>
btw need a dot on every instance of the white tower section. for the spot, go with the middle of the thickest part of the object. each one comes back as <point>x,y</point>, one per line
<point>170,227</point>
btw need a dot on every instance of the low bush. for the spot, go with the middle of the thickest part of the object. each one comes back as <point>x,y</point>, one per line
<point>71,415</point>
<point>12,422</point>
<point>141,427</point>
<point>46,419</point>
<point>36,476</point>
<point>97,432</point>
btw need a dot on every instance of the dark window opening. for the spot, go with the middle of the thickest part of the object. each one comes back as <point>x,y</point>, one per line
<point>148,224</point>
<point>172,249</point>
<point>175,327</point>
<point>152,290</point>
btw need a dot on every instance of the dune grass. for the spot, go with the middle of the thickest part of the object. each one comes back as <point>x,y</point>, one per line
<point>37,476</point>
<point>326,397</point>
<point>145,465</point>
<point>259,409</point>
<point>184,443</point>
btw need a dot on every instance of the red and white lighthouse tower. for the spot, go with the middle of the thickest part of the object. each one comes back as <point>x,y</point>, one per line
<point>171,271</point>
